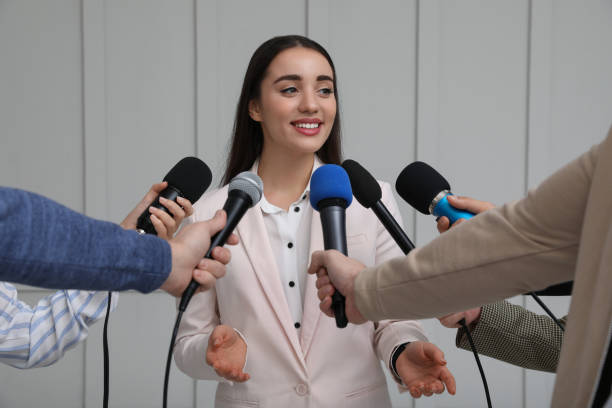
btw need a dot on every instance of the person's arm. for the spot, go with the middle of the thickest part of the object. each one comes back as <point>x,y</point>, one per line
<point>45,244</point>
<point>513,249</point>
<point>39,336</point>
<point>402,344</point>
<point>515,335</point>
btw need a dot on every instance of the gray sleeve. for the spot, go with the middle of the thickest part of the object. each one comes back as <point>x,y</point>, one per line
<point>515,335</point>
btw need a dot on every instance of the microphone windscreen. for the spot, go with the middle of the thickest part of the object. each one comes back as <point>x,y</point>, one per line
<point>191,176</point>
<point>249,183</point>
<point>330,181</point>
<point>365,187</point>
<point>419,184</point>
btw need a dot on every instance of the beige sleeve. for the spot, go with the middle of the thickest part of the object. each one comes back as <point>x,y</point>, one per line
<point>516,248</point>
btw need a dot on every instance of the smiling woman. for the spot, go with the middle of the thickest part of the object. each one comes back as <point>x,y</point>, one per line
<point>286,126</point>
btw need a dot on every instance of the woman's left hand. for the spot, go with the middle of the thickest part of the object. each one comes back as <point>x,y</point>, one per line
<point>423,370</point>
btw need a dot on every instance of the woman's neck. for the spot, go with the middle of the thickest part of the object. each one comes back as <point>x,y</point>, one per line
<point>285,176</point>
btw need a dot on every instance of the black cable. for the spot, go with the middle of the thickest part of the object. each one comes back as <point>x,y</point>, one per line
<point>105,347</point>
<point>179,316</point>
<point>482,374</point>
<point>547,310</point>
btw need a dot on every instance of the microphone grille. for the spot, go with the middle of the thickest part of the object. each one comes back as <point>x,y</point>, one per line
<point>418,184</point>
<point>365,187</point>
<point>191,176</point>
<point>330,181</point>
<point>249,183</point>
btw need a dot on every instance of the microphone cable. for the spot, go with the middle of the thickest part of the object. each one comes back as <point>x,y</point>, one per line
<point>179,316</point>
<point>105,347</point>
<point>547,310</point>
<point>473,347</point>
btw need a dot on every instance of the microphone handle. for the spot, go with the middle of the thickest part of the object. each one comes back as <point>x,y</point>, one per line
<point>237,203</point>
<point>144,220</point>
<point>391,225</point>
<point>444,208</point>
<point>333,220</point>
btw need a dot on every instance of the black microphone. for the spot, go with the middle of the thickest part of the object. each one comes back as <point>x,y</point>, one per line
<point>330,194</point>
<point>421,186</point>
<point>245,190</point>
<point>189,178</point>
<point>367,191</point>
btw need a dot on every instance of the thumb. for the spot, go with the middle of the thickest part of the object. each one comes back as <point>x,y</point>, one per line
<point>434,353</point>
<point>216,223</point>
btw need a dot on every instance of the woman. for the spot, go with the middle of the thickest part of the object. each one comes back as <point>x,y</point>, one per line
<point>286,126</point>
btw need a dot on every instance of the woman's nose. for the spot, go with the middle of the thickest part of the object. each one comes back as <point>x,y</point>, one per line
<point>308,104</point>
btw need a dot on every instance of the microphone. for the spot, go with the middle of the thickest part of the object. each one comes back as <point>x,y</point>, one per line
<point>330,195</point>
<point>367,191</point>
<point>245,190</point>
<point>189,178</point>
<point>425,189</point>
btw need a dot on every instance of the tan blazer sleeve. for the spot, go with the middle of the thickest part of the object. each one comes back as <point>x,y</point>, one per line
<point>516,248</point>
<point>513,334</point>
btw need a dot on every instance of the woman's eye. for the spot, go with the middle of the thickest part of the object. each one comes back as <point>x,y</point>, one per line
<point>326,91</point>
<point>289,90</point>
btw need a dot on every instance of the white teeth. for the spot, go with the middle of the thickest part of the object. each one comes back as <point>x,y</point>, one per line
<point>307,125</point>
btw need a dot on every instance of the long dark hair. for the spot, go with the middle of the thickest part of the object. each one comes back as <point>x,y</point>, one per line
<point>247,140</point>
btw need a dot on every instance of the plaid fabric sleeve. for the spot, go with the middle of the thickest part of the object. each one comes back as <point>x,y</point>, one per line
<point>511,333</point>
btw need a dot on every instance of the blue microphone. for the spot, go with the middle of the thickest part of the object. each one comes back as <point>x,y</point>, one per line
<point>421,186</point>
<point>330,195</point>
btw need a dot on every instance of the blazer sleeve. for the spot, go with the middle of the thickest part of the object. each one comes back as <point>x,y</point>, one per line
<point>198,322</point>
<point>513,334</point>
<point>45,244</point>
<point>389,334</point>
<point>516,248</point>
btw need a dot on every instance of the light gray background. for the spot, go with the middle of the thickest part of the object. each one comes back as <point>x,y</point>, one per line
<point>99,98</point>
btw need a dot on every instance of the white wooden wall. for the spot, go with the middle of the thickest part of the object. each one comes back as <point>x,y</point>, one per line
<point>99,98</point>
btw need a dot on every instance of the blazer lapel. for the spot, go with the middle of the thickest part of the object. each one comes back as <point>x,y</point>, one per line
<point>312,313</point>
<point>252,233</point>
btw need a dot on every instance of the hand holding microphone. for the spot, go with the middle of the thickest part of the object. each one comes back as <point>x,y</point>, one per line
<point>462,203</point>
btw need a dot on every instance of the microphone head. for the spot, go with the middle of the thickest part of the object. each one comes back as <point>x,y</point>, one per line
<point>365,187</point>
<point>249,183</point>
<point>418,184</point>
<point>191,176</point>
<point>330,181</point>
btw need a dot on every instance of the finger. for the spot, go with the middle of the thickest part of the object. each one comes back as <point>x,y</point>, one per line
<point>217,269</point>
<point>316,262</point>
<point>437,387</point>
<point>159,226</point>
<point>169,222</point>
<point>177,212</point>
<point>469,204</point>
<point>232,240</point>
<point>459,221</point>
<point>325,291</point>
<point>204,278</point>
<point>434,353</point>
<point>156,189</point>
<point>448,380</point>
<point>325,306</point>
<point>443,224</point>
<point>186,204</point>
<point>322,281</point>
<point>322,272</point>
<point>222,255</point>
<point>451,320</point>
<point>243,377</point>
<point>415,392</point>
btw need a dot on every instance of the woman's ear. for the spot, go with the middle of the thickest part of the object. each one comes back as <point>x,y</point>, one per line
<point>254,110</point>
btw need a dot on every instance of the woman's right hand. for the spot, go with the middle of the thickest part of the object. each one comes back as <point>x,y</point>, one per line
<point>226,353</point>
<point>452,320</point>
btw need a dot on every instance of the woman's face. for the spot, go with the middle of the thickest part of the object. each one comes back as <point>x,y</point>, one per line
<point>297,105</point>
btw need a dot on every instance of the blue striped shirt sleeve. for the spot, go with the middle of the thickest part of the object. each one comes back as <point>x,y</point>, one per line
<point>39,336</point>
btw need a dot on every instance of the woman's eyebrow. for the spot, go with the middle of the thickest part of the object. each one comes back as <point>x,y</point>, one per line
<point>296,77</point>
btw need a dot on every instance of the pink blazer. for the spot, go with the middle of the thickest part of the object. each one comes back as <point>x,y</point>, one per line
<point>324,366</point>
